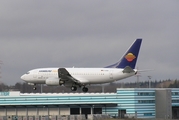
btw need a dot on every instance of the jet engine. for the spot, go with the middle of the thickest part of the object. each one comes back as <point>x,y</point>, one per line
<point>52,81</point>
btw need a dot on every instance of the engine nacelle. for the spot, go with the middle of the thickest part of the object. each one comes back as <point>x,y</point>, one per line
<point>52,82</point>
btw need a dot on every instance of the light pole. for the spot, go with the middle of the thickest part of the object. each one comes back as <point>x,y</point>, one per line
<point>41,86</point>
<point>0,68</point>
<point>138,75</point>
<point>149,81</point>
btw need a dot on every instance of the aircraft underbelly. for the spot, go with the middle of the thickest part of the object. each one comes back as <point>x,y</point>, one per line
<point>105,78</point>
<point>37,81</point>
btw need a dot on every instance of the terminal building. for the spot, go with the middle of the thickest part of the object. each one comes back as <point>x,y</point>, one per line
<point>126,102</point>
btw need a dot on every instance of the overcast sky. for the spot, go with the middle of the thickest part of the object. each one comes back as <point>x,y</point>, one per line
<point>90,33</point>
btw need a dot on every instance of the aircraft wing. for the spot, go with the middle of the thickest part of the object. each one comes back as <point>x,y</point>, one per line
<point>65,75</point>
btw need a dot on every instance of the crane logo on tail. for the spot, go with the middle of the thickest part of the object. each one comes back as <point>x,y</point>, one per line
<point>130,57</point>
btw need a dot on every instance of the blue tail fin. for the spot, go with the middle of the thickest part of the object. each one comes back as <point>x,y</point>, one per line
<point>130,57</point>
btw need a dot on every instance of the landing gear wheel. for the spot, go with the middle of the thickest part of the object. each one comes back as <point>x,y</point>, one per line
<point>73,88</point>
<point>34,88</point>
<point>85,89</point>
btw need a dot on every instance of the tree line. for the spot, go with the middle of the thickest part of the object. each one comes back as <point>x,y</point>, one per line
<point>111,87</point>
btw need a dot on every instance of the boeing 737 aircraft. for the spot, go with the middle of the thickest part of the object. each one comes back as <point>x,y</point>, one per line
<point>81,77</point>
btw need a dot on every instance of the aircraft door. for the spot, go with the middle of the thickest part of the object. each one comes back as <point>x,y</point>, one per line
<point>111,74</point>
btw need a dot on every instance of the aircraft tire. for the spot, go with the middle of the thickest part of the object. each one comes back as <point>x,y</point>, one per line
<point>85,89</point>
<point>73,88</point>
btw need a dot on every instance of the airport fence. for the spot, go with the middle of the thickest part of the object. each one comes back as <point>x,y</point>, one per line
<point>59,117</point>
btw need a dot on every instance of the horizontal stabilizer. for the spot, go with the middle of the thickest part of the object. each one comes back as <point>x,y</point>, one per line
<point>128,69</point>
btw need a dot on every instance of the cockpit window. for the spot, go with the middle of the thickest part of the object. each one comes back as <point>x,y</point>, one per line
<point>27,72</point>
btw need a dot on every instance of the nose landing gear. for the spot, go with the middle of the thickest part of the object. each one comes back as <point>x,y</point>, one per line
<point>73,88</point>
<point>34,88</point>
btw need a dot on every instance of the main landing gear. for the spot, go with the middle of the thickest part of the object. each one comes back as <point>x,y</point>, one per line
<point>84,89</point>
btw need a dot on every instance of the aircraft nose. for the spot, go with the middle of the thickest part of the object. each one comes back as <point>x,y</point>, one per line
<point>23,77</point>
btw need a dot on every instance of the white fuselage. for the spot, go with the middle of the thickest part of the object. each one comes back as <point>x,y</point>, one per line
<point>84,75</point>
<point>81,77</point>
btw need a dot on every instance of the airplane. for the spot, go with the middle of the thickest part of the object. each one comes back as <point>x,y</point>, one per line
<point>81,77</point>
